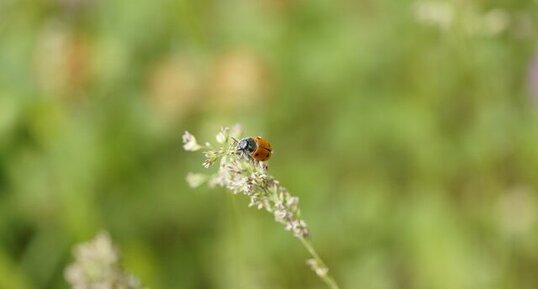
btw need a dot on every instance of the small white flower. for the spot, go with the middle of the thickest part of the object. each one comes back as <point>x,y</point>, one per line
<point>206,164</point>
<point>280,215</point>
<point>210,154</point>
<point>300,230</point>
<point>190,143</point>
<point>195,180</point>
<point>97,265</point>
<point>222,136</point>
<point>292,202</point>
<point>320,269</point>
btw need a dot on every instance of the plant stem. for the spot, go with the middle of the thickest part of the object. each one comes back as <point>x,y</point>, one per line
<point>306,243</point>
<point>325,277</point>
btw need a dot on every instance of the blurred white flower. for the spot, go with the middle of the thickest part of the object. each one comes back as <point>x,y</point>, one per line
<point>190,143</point>
<point>196,180</point>
<point>97,266</point>
<point>435,13</point>
<point>495,21</point>
<point>465,17</point>
<point>320,269</point>
<point>223,134</point>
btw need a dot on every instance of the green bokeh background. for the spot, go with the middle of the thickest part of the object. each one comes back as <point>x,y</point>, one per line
<point>412,145</point>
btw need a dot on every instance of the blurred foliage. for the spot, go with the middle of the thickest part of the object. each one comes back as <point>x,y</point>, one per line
<point>408,128</point>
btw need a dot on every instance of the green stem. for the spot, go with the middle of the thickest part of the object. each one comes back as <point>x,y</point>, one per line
<point>306,243</point>
<point>324,277</point>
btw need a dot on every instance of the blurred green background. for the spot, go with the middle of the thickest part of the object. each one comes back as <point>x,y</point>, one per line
<point>409,129</point>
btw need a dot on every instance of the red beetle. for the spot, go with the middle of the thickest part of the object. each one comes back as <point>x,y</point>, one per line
<point>257,147</point>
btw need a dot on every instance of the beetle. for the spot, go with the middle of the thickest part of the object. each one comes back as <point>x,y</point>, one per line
<point>256,147</point>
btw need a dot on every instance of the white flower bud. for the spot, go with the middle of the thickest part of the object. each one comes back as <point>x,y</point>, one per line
<point>190,143</point>
<point>222,136</point>
<point>195,180</point>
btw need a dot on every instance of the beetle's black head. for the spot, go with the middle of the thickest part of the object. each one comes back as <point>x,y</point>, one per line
<point>247,145</point>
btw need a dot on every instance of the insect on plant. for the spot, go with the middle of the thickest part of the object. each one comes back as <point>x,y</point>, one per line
<point>242,169</point>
